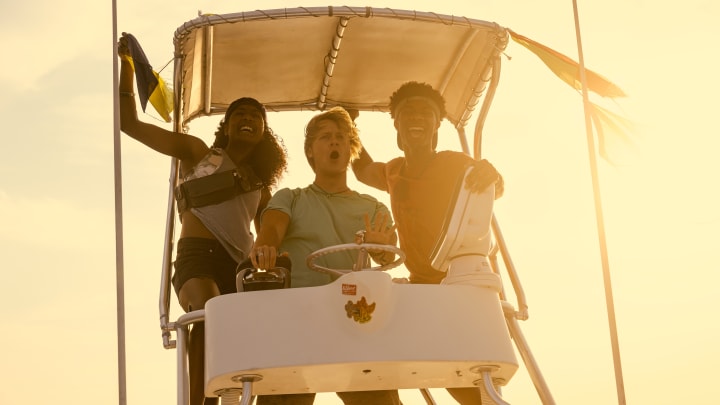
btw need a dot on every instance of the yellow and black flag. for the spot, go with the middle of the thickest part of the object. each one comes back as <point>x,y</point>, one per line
<point>150,85</point>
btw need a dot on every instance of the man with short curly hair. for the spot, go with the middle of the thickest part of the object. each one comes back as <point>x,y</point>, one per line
<point>421,185</point>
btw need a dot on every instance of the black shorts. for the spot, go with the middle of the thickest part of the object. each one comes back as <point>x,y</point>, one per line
<point>204,258</point>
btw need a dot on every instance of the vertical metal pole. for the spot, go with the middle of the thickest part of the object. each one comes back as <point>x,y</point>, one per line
<point>599,217</point>
<point>119,272</point>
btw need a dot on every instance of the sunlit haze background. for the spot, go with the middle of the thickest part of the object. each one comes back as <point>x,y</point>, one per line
<point>660,199</point>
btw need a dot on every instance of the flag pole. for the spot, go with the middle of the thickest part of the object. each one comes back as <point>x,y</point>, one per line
<point>619,385</point>
<point>119,272</point>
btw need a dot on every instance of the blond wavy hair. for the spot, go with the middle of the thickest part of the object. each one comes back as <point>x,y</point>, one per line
<point>343,120</point>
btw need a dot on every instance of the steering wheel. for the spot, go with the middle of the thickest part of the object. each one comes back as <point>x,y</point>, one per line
<point>362,248</point>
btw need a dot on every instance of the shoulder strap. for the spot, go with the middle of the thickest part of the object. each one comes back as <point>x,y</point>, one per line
<point>215,188</point>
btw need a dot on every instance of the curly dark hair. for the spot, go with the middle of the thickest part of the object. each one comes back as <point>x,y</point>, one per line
<point>269,158</point>
<point>416,89</point>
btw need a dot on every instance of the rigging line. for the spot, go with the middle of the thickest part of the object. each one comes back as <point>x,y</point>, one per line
<point>119,272</point>
<point>619,385</point>
<point>166,65</point>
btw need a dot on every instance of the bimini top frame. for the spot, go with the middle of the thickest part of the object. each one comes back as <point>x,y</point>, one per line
<point>305,59</point>
<point>315,58</point>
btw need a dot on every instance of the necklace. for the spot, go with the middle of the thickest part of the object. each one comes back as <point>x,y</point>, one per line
<point>327,194</point>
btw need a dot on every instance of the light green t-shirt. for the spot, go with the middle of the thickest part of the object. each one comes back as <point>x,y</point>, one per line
<point>318,220</point>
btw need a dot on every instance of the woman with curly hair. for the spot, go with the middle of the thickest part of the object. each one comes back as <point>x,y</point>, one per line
<point>222,189</point>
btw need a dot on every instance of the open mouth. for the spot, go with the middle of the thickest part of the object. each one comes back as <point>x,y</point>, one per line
<point>334,154</point>
<point>416,132</point>
<point>246,128</point>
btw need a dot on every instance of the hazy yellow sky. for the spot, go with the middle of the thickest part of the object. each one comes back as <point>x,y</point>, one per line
<point>57,301</point>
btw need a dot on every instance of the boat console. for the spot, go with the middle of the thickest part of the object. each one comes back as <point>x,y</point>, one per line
<point>361,332</point>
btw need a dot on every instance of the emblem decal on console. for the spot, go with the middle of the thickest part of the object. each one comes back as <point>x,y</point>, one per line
<point>361,311</point>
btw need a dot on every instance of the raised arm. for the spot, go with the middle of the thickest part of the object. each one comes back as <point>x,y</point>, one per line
<point>182,146</point>
<point>369,172</point>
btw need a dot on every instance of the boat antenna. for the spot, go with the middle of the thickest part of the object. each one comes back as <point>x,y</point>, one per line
<point>119,266</point>
<point>619,385</point>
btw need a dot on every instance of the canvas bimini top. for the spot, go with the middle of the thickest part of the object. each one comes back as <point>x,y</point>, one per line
<point>319,57</point>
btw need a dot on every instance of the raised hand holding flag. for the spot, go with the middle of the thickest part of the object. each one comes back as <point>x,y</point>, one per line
<point>150,86</point>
